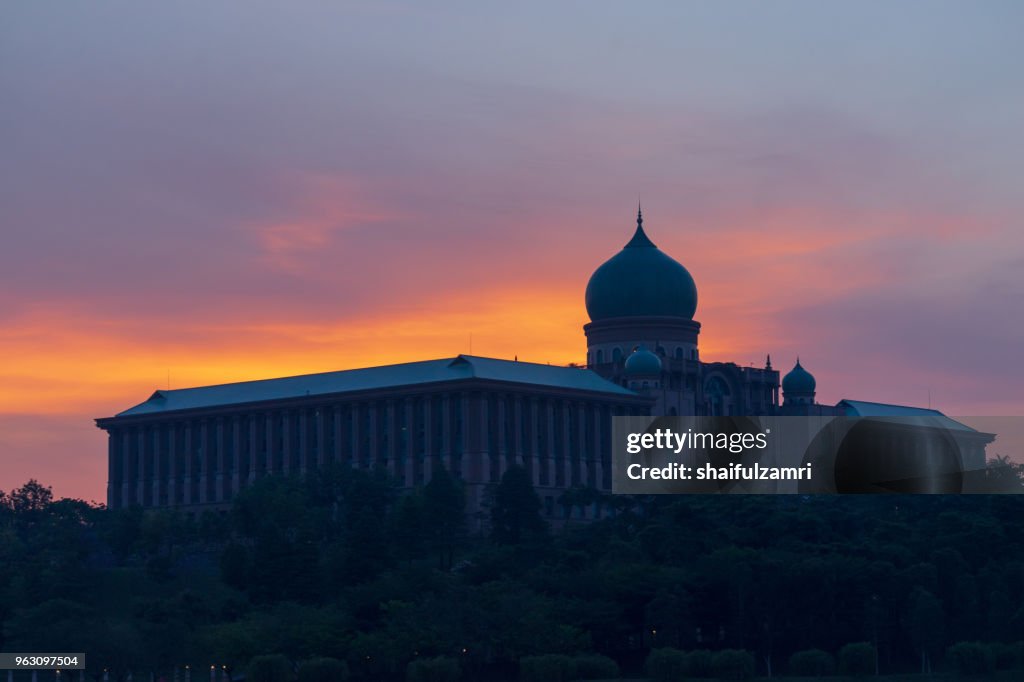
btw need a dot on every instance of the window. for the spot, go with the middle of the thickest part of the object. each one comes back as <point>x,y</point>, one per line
<point>600,357</point>
<point>679,352</point>
<point>616,354</point>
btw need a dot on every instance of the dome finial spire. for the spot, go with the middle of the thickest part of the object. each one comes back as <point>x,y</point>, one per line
<point>640,237</point>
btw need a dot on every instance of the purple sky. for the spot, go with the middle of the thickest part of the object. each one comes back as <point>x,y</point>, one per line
<point>217,191</point>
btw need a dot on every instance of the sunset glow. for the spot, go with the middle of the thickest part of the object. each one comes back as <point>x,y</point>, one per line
<point>311,201</point>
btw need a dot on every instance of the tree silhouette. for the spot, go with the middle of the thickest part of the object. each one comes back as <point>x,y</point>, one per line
<point>515,515</point>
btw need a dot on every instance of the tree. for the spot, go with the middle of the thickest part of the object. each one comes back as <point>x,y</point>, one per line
<point>408,524</point>
<point>925,624</point>
<point>31,499</point>
<point>516,511</point>
<point>444,502</point>
<point>1003,475</point>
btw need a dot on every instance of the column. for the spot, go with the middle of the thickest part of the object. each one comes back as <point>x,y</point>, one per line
<point>463,444</point>
<point>519,448</point>
<point>429,456</point>
<point>188,453</point>
<point>582,452</point>
<point>255,420</point>
<point>339,433</point>
<point>156,473</point>
<point>567,454</point>
<point>304,445</point>
<point>113,471</point>
<point>219,460</point>
<point>236,454</point>
<point>322,413</point>
<point>597,456</point>
<point>447,425</point>
<point>389,432</point>
<point>533,448</point>
<point>477,460</point>
<point>287,434</point>
<point>204,461</point>
<point>551,429</point>
<point>411,438</point>
<point>271,451</point>
<point>173,466</point>
<point>356,453</point>
<point>142,470</point>
<point>370,457</point>
<point>501,452</point>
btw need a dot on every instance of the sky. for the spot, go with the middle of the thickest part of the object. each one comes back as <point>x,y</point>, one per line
<point>197,192</point>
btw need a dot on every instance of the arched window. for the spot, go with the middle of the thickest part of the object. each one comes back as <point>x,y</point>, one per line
<point>616,354</point>
<point>600,356</point>
<point>679,352</point>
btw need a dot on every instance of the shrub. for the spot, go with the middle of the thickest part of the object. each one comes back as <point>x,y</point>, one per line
<point>857,659</point>
<point>547,668</point>
<point>439,669</point>
<point>322,670</point>
<point>596,667</point>
<point>270,668</point>
<point>666,665</point>
<point>971,658</point>
<point>732,664</point>
<point>812,663</point>
<point>698,663</point>
<point>1008,656</point>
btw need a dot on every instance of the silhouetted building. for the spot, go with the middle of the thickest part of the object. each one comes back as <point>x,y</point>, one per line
<point>197,447</point>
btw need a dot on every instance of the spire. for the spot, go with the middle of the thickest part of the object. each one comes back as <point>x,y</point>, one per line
<point>768,363</point>
<point>640,238</point>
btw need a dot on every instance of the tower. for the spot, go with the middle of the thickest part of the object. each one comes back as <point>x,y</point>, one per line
<point>640,296</point>
<point>641,303</point>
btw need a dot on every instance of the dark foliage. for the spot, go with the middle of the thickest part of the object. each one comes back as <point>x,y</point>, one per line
<point>339,566</point>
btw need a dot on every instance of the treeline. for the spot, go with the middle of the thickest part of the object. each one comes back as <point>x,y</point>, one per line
<point>340,573</point>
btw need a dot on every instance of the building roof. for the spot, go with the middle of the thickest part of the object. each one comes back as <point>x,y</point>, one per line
<point>643,361</point>
<point>798,380</point>
<point>388,376</point>
<point>863,408</point>
<point>640,281</point>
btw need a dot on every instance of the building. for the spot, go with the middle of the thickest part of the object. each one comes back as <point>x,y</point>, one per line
<point>197,447</point>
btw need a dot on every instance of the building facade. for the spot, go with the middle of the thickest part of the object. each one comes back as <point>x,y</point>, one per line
<point>195,448</point>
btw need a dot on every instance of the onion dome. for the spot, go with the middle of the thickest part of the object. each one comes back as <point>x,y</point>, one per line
<point>799,380</point>
<point>643,361</point>
<point>639,281</point>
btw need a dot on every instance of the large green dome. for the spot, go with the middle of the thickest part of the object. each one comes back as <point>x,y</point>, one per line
<point>639,281</point>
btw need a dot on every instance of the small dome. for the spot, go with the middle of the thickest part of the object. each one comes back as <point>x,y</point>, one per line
<point>639,281</point>
<point>799,380</point>
<point>643,361</point>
